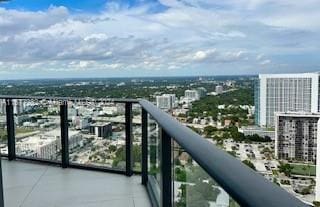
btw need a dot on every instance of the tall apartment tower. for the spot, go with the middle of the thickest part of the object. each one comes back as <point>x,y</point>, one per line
<point>285,93</point>
<point>219,89</point>
<point>192,95</point>
<point>297,137</point>
<point>166,101</point>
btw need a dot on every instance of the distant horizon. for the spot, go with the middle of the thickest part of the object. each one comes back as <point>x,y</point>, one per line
<point>129,77</point>
<point>159,76</point>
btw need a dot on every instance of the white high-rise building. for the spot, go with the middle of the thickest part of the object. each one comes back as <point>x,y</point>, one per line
<point>296,139</point>
<point>191,95</point>
<point>18,106</point>
<point>219,89</point>
<point>285,93</point>
<point>2,107</point>
<point>166,101</point>
<point>202,92</point>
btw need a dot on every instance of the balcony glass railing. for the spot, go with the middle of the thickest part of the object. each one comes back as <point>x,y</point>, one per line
<point>97,134</point>
<point>3,129</point>
<point>153,158</point>
<point>137,137</point>
<point>192,186</point>
<point>37,129</point>
<point>178,167</point>
<point>191,171</point>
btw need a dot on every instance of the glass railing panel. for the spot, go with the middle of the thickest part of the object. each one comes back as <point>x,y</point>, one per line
<point>37,129</point>
<point>3,128</point>
<point>154,158</point>
<point>97,134</point>
<point>136,132</point>
<point>192,186</point>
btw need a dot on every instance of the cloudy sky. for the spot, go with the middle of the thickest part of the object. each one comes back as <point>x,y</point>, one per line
<point>96,38</point>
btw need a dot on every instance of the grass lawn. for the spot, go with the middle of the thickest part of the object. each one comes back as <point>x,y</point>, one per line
<point>303,169</point>
<point>22,130</point>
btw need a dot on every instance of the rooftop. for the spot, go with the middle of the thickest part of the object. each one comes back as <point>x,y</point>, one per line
<point>289,75</point>
<point>298,114</point>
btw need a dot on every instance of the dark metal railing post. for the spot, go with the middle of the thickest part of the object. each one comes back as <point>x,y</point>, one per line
<point>64,134</point>
<point>144,147</point>
<point>10,130</point>
<point>166,177</point>
<point>128,119</point>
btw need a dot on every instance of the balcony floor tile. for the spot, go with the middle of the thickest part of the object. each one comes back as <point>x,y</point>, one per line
<point>37,185</point>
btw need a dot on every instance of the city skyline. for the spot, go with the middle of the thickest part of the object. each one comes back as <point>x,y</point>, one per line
<point>69,39</point>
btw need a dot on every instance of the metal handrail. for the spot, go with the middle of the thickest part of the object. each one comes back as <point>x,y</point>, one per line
<point>244,185</point>
<point>57,98</point>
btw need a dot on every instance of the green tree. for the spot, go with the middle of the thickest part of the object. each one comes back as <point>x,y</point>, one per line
<point>249,164</point>
<point>286,169</point>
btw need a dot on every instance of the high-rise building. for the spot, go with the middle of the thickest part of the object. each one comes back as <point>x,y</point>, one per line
<point>202,92</point>
<point>2,107</point>
<point>191,95</point>
<point>296,136</point>
<point>219,89</point>
<point>285,93</point>
<point>166,101</point>
<point>18,106</point>
<point>194,94</point>
<point>296,139</point>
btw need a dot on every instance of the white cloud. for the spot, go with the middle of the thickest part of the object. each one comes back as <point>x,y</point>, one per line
<point>259,56</point>
<point>200,55</point>
<point>265,62</point>
<point>188,34</point>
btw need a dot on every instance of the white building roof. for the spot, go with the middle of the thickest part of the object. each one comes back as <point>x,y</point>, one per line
<point>298,114</point>
<point>289,75</point>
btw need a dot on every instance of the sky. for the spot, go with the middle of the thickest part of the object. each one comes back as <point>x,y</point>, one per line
<point>136,38</point>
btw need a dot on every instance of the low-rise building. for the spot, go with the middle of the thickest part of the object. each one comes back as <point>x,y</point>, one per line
<point>113,110</point>
<point>46,145</point>
<point>179,112</point>
<point>262,132</point>
<point>81,122</point>
<point>19,120</point>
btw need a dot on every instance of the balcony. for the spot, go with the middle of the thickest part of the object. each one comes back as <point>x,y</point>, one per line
<point>139,156</point>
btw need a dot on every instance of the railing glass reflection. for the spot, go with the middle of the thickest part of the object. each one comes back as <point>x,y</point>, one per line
<point>97,134</point>
<point>3,128</point>
<point>37,129</point>
<point>192,186</point>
